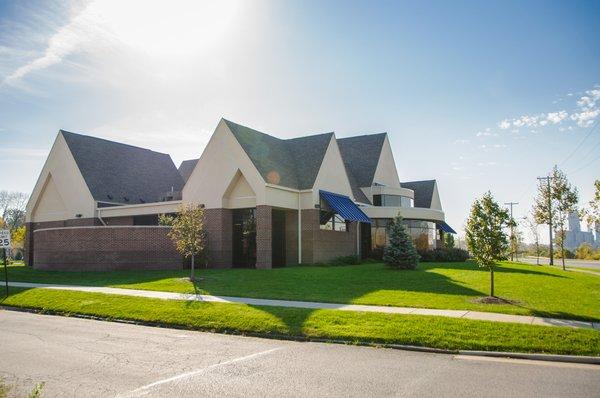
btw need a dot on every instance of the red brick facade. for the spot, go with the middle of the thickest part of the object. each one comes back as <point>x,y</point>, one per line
<point>105,248</point>
<point>264,230</point>
<point>218,225</point>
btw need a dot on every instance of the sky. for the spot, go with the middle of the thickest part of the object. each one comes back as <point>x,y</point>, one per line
<point>477,95</point>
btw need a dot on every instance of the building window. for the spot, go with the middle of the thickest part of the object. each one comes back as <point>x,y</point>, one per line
<point>392,201</point>
<point>332,222</point>
<point>424,234</point>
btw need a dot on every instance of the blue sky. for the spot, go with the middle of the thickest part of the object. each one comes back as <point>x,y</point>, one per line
<point>479,95</point>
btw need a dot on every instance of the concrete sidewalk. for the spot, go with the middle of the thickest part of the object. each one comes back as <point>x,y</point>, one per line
<point>485,316</point>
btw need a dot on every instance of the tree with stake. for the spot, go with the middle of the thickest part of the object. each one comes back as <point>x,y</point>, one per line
<point>591,213</point>
<point>187,232</point>
<point>486,239</point>
<point>401,252</point>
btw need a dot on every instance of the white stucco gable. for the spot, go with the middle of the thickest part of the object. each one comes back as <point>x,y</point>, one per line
<point>218,172</point>
<point>60,192</point>
<point>332,173</point>
<point>386,172</point>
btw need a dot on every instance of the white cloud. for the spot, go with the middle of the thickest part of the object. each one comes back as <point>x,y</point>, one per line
<point>505,124</point>
<point>461,141</point>
<point>556,117</point>
<point>589,99</point>
<point>586,117</point>
<point>486,133</point>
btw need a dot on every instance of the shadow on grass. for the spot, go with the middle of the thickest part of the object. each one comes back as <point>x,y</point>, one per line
<point>500,268</point>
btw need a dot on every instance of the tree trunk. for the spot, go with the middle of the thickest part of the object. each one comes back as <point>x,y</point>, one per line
<point>492,282</point>
<point>562,250</point>
<point>192,277</point>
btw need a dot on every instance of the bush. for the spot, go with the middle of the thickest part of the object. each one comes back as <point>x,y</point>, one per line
<point>345,260</point>
<point>448,255</point>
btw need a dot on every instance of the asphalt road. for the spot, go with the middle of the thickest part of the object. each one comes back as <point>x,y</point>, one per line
<point>85,358</point>
<point>568,262</point>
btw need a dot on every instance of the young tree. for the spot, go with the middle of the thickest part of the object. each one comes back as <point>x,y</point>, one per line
<point>565,197</point>
<point>448,241</point>
<point>591,213</point>
<point>485,234</point>
<point>400,253</point>
<point>187,232</point>
<point>532,227</point>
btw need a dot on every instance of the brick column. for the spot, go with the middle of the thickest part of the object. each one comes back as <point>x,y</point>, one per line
<point>264,229</point>
<point>218,226</point>
<point>28,245</point>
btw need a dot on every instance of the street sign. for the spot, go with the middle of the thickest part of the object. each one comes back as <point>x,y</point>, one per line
<point>4,239</point>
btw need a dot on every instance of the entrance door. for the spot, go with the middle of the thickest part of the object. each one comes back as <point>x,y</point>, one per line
<point>244,238</point>
<point>365,240</point>
<point>278,238</point>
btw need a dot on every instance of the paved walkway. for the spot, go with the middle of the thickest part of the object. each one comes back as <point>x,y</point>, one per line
<point>485,316</point>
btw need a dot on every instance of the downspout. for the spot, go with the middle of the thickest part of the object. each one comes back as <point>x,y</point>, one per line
<point>299,230</point>
<point>358,239</point>
<point>99,217</point>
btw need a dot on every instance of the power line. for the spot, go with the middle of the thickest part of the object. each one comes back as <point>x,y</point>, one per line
<point>591,130</point>
<point>547,179</point>
<point>587,164</point>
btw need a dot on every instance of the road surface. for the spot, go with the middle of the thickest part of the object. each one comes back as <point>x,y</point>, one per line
<point>568,262</point>
<point>86,358</point>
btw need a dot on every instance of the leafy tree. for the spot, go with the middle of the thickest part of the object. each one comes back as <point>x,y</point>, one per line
<point>400,252</point>
<point>555,205</point>
<point>448,241</point>
<point>591,214</point>
<point>485,234</point>
<point>565,197</point>
<point>166,220</point>
<point>187,232</point>
<point>532,226</point>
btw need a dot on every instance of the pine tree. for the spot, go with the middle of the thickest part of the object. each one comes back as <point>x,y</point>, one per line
<point>401,252</point>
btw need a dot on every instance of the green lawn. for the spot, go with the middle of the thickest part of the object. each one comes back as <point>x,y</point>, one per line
<point>537,290</point>
<point>439,332</point>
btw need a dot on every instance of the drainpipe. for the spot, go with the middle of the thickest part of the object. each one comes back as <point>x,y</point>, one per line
<point>100,218</point>
<point>299,230</point>
<point>358,239</point>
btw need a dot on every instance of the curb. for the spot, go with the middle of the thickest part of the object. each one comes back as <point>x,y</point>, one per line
<point>581,359</point>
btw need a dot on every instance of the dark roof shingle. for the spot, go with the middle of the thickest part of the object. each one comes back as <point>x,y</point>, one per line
<point>122,173</point>
<point>292,163</point>
<point>423,191</point>
<point>361,156</point>
<point>186,167</point>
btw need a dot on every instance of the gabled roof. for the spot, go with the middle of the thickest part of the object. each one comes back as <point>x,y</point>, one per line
<point>186,167</point>
<point>423,191</point>
<point>293,163</point>
<point>361,156</point>
<point>121,173</point>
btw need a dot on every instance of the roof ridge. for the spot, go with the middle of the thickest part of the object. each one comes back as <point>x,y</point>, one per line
<point>111,141</point>
<point>362,135</point>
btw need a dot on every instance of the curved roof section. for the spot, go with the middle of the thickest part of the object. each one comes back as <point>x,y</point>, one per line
<point>292,163</point>
<point>122,173</point>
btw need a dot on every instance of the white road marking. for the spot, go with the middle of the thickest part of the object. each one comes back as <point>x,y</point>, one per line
<point>528,362</point>
<point>146,389</point>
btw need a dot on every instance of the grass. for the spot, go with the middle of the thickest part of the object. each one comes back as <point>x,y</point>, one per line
<point>535,290</point>
<point>438,332</point>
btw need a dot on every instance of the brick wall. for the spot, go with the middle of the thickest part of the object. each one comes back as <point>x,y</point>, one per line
<point>319,245</point>
<point>264,223</point>
<point>218,225</point>
<point>104,249</point>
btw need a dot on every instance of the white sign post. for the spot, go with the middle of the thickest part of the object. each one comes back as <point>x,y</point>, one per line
<point>5,244</point>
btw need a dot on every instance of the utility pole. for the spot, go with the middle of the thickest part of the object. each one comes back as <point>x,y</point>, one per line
<point>512,225</point>
<point>547,179</point>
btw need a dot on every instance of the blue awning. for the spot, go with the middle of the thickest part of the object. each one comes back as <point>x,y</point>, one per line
<point>344,206</point>
<point>446,228</point>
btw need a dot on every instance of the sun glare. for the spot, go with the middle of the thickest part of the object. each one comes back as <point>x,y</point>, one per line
<point>165,27</point>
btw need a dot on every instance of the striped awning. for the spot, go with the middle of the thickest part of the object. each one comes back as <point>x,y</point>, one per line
<point>445,227</point>
<point>344,206</point>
